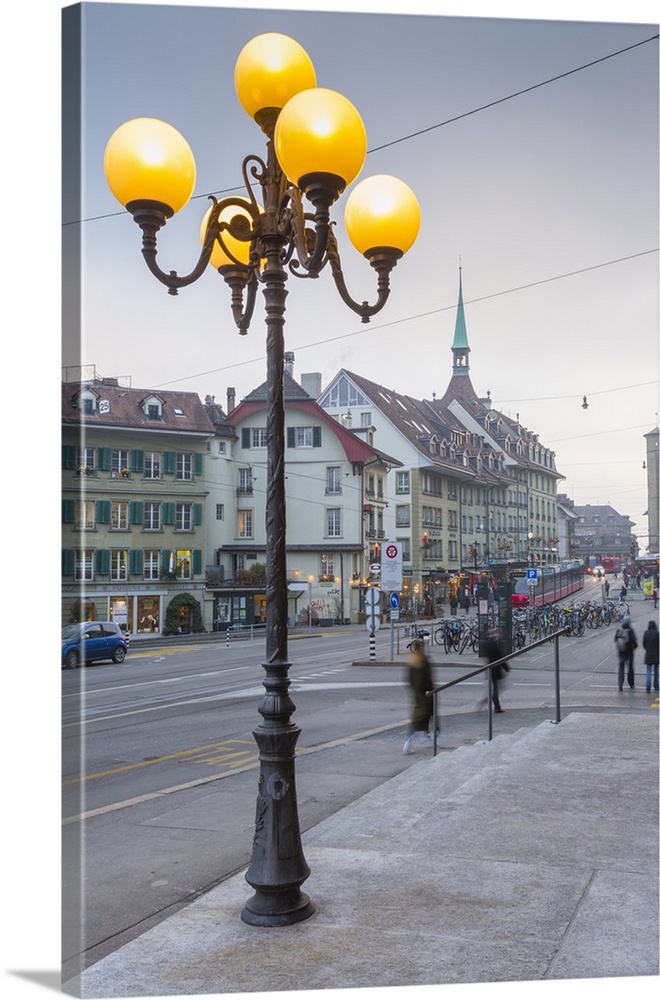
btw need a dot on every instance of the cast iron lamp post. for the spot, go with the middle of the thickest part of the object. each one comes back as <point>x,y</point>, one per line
<point>315,147</point>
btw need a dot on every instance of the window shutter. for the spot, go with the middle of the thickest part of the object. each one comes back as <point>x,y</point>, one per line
<point>169,513</point>
<point>316,437</point>
<point>136,511</point>
<point>197,561</point>
<point>165,560</point>
<point>198,463</point>
<point>197,514</point>
<point>291,437</point>
<point>137,460</point>
<point>245,437</point>
<point>69,454</point>
<point>105,459</point>
<point>136,562</point>
<point>169,461</point>
<point>102,562</point>
<point>68,511</point>
<point>68,562</point>
<point>103,511</point>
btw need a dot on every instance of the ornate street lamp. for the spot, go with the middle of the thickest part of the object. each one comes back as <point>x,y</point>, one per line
<point>315,147</point>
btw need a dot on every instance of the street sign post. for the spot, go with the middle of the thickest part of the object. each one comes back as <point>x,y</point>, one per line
<point>394,617</point>
<point>532,580</point>
<point>372,608</point>
<point>391,566</point>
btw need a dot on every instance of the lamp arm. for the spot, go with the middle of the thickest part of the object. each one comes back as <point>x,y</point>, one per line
<point>151,216</point>
<point>309,244</point>
<point>243,284</point>
<point>382,259</point>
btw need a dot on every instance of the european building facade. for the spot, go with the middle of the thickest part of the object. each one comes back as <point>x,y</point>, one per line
<point>163,498</point>
<point>134,498</point>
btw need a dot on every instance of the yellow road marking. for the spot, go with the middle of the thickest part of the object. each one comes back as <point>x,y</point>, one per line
<point>227,754</point>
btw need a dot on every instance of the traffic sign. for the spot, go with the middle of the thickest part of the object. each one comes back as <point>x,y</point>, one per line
<point>372,599</point>
<point>532,577</point>
<point>372,623</point>
<point>394,601</point>
<point>391,566</point>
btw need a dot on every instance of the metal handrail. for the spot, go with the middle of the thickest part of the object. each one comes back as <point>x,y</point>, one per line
<point>435,691</point>
<point>237,630</point>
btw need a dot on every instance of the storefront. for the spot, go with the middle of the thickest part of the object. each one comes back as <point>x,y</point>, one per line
<point>137,611</point>
<point>238,607</point>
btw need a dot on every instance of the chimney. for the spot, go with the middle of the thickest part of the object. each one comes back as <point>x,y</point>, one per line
<point>231,399</point>
<point>288,363</point>
<point>311,383</point>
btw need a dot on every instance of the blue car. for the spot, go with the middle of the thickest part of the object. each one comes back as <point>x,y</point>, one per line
<point>87,642</point>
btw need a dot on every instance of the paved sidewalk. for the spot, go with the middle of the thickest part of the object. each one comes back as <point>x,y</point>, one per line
<point>530,858</point>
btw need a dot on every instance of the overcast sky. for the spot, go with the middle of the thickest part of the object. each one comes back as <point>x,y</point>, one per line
<point>548,200</point>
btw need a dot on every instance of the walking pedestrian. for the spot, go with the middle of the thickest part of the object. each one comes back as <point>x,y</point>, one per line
<point>626,644</point>
<point>655,596</point>
<point>420,680</point>
<point>650,641</point>
<point>493,652</point>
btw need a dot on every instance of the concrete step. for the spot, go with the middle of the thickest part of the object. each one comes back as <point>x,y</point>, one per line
<point>434,788</point>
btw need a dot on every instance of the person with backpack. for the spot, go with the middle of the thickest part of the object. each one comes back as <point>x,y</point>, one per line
<point>626,644</point>
<point>650,642</point>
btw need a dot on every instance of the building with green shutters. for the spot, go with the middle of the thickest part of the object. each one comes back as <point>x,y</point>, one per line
<point>133,506</point>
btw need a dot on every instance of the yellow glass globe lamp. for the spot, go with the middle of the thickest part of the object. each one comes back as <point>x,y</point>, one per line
<point>382,213</point>
<point>239,248</point>
<point>269,70</point>
<point>148,160</point>
<point>320,133</point>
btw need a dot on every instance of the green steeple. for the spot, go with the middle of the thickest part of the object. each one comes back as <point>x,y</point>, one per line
<point>460,348</point>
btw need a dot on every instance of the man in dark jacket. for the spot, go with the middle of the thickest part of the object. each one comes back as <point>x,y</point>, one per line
<point>650,642</point>
<point>493,652</point>
<point>626,644</point>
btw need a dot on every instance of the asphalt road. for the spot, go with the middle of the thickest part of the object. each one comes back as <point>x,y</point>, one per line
<point>156,746</point>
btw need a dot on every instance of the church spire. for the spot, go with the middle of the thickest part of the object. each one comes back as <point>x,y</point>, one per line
<point>460,348</point>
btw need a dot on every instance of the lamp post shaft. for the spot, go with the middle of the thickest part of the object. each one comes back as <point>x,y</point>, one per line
<point>277,866</point>
<point>239,236</point>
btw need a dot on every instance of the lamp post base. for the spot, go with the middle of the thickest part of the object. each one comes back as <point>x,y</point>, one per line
<point>267,909</point>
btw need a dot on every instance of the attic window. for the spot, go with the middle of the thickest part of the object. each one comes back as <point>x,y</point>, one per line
<point>178,412</point>
<point>87,402</point>
<point>153,408</point>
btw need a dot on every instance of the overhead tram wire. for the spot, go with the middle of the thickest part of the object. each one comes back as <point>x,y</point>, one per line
<point>510,97</point>
<point>406,319</point>
<point>429,128</point>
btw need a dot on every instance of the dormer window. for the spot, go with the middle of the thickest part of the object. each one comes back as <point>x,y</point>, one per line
<point>152,407</point>
<point>87,402</point>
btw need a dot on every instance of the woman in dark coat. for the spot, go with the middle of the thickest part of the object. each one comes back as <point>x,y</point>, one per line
<point>650,644</point>
<point>420,680</point>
